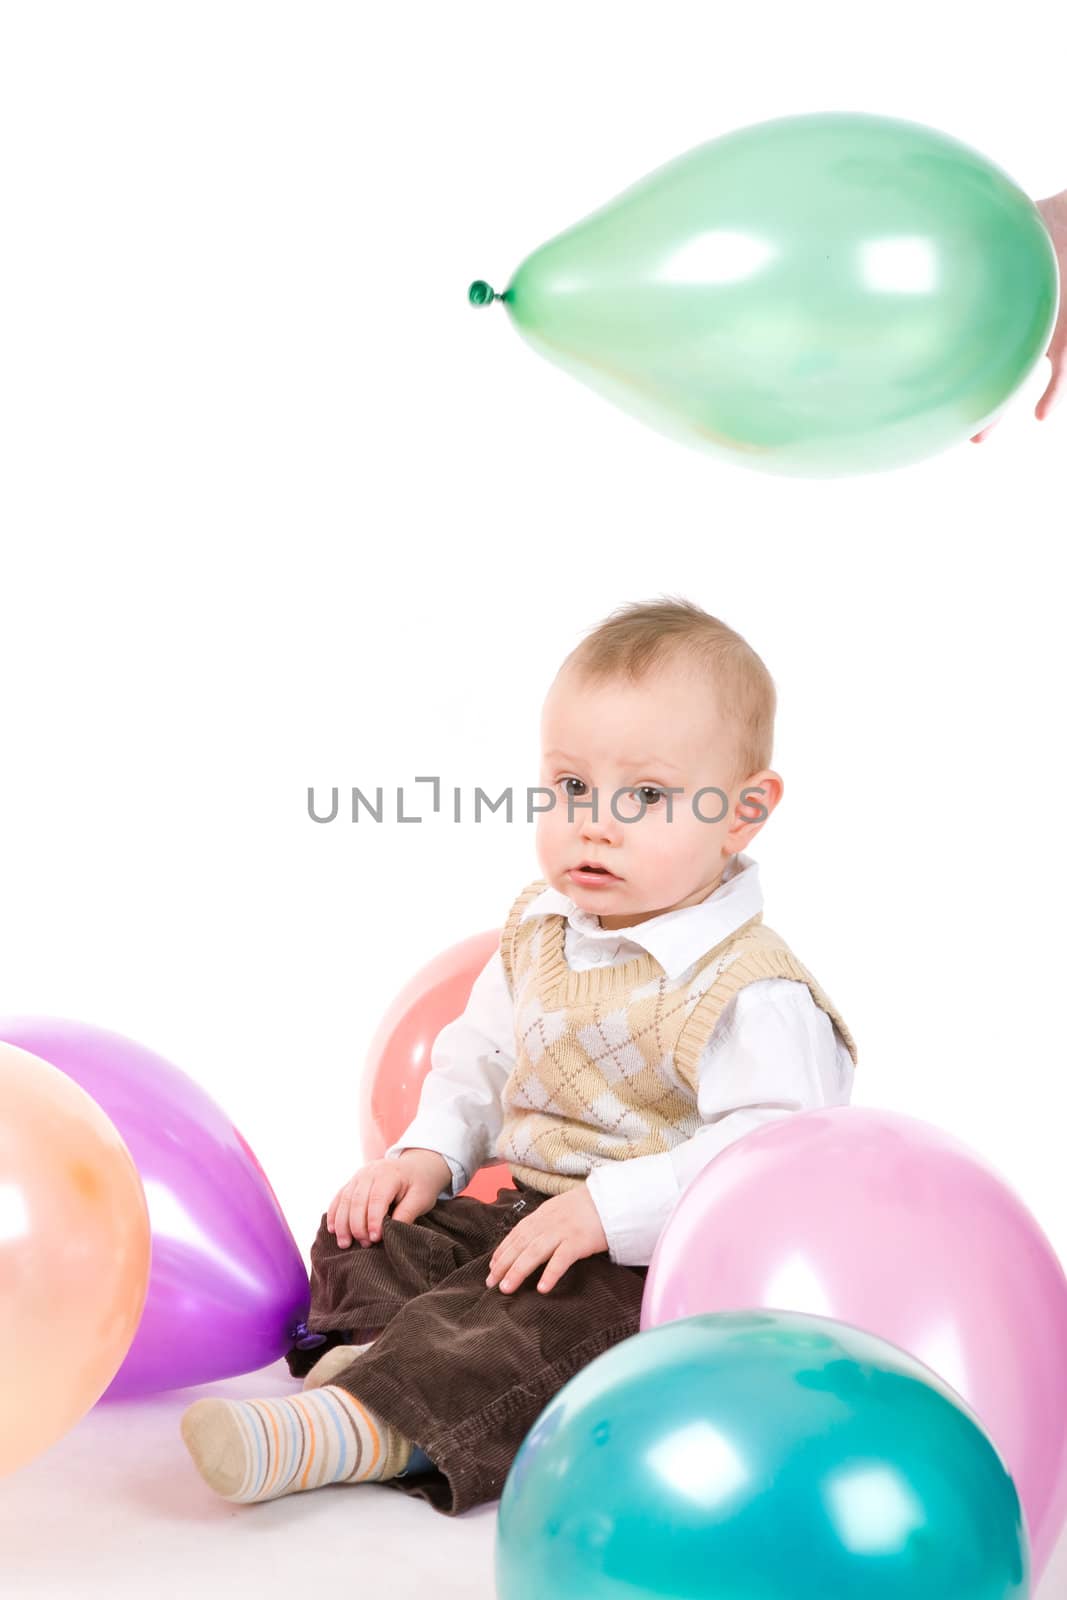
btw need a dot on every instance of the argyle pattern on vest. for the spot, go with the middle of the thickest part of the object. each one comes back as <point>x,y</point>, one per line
<point>607,1058</point>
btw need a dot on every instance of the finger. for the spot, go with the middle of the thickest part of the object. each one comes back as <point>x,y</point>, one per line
<point>506,1251</point>
<point>351,1216</point>
<point>383,1192</point>
<point>360,1215</point>
<point>413,1203</point>
<point>978,437</point>
<point>536,1251</point>
<point>1056,386</point>
<point>562,1258</point>
<point>341,1227</point>
<point>333,1208</point>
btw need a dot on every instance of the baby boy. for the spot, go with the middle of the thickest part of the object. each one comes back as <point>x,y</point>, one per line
<point>637,1017</point>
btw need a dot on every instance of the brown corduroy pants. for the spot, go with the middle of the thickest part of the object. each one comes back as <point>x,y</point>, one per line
<point>461,1370</point>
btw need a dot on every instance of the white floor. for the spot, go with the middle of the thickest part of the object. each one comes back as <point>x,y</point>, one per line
<point>116,1509</point>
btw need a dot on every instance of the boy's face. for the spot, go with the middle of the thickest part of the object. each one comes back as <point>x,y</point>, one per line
<point>631,741</point>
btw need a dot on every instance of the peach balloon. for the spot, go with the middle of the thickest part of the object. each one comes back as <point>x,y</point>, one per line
<point>75,1253</point>
<point>400,1052</point>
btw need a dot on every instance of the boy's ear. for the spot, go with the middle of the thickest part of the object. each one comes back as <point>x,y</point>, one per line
<point>757,798</point>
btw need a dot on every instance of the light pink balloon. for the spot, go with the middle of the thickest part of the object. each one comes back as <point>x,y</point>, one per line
<point>889,1224</point>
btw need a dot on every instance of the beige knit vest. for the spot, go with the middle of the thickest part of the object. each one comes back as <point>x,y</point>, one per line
<point>607,1058</point>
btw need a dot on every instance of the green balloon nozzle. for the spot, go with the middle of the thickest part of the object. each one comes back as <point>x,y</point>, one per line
<point>481,293</point>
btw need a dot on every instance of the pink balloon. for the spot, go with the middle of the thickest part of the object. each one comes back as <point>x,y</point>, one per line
<point>886,1223</point>
<point>400,1053</point>
<point>228,1286</point>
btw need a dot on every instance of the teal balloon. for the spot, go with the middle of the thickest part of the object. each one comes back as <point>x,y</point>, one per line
<point>817,295</point>
<point>759,1456</point>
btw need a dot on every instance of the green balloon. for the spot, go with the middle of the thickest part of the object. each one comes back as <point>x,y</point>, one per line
<point>759,1455</point>
<point>818,295</point>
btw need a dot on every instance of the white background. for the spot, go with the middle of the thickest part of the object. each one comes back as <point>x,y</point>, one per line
<point>279,508</point>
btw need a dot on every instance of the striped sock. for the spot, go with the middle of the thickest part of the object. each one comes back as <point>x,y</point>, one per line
<point>260,1449</point>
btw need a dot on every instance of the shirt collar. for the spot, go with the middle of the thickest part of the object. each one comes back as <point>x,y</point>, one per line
<point>675,938</point>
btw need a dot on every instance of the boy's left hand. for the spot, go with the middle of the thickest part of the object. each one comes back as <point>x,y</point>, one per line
<point>561,1232</point>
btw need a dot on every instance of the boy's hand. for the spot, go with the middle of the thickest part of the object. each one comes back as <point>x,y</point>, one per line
<point>561,1231</point>
<point>415,1178</point>
<point>1054,214</point>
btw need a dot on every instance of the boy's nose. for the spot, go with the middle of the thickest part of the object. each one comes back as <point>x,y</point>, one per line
<point>606,829</point>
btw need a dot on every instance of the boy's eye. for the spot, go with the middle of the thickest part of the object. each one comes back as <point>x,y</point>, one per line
<point>651,794</point>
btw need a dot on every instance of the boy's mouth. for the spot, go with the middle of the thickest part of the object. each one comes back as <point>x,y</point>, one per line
<point>586,869</point>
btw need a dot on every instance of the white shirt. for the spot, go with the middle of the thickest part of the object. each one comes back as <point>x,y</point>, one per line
<point>773,1052</point>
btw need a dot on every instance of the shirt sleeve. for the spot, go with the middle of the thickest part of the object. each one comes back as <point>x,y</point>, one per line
<point>459,1113</point>
<point>773,1052</point>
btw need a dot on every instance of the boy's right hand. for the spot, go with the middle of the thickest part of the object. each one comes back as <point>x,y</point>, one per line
<point>414,1178</point>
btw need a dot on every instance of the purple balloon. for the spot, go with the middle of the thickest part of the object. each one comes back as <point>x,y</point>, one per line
<point>885,1222</point>
<point>228,1289</point>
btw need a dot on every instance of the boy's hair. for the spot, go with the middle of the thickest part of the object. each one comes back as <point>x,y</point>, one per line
<point>640,636</point>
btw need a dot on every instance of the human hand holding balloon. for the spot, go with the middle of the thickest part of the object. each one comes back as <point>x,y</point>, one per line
<point>414,1178</point>
<point>1054,212</point>
<point>562,1231</point>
